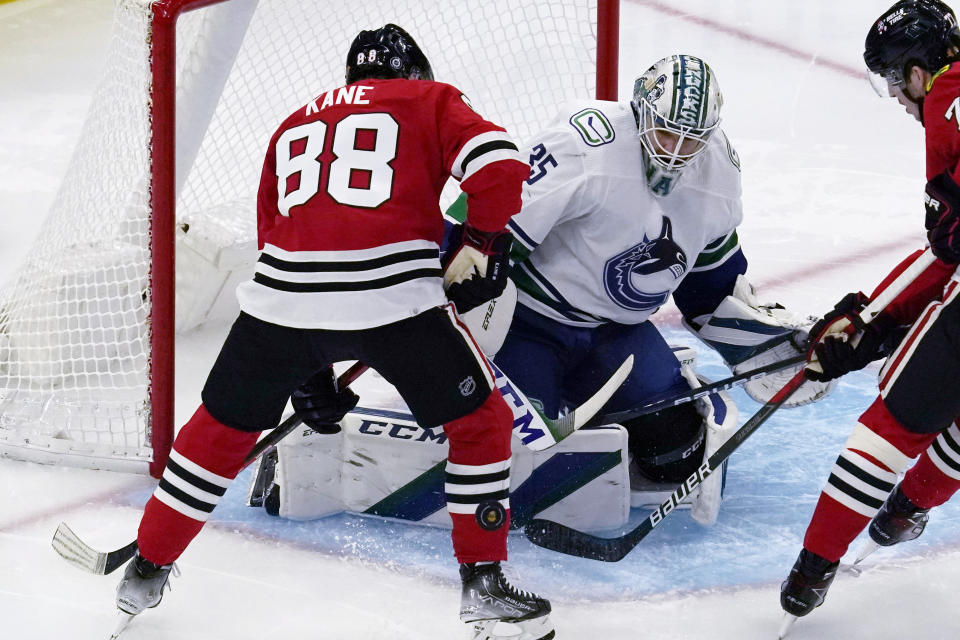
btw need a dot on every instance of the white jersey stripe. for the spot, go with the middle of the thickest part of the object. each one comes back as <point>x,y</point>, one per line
<point>192,490</point>
<point>197,470</point>
<point>850,502</point>
<point>477,469</point>
<point>895,364</point>
<point>472,489</point>
<point>179,506</point>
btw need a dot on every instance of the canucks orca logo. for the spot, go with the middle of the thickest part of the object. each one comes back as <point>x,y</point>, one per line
<point>650,256</point>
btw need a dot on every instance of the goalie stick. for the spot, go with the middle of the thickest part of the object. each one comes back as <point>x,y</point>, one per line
<point>75,551</point>
<point>563,539</point>
<point>537,431</point>
<point>557,537</point>
<point>699,392</point>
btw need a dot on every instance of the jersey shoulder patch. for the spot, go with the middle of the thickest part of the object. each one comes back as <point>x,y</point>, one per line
<point>593,126</point>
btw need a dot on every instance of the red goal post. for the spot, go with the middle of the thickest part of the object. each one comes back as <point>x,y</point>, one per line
<point>154,223</point>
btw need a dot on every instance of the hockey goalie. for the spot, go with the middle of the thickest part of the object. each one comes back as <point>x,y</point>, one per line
<point>377,461</point>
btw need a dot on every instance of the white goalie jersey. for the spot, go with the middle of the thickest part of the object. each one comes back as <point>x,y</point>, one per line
<point>595,244</point>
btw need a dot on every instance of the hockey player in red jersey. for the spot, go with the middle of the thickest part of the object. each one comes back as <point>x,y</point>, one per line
<point>911,51</point>
<point>349,228</point>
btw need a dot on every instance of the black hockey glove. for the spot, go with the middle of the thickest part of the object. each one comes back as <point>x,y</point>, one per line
<point>841,342</point>
<point>942,199</point>
<point>476,266</point>
<point>320,404</point>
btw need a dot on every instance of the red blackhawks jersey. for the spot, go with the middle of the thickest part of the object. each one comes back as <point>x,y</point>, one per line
<point>941,121</point>
<point>348,214</point>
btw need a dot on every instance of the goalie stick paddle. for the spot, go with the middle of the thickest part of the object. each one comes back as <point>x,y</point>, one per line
<point>557,537</point>
<point>700,392</point>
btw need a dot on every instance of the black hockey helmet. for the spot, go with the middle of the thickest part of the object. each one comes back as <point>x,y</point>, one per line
<point>387,52</point>
<point>920,33</point>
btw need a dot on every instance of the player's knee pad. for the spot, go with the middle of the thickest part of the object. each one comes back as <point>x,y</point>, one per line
<point>667,446</point>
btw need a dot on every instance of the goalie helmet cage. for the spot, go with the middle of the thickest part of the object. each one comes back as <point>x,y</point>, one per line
<point>170,156</point>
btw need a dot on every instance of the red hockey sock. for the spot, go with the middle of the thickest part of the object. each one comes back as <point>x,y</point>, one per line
<point>206,457</point>
<point>936,475</point>
<point>832,529</point>
<point>478,481</point>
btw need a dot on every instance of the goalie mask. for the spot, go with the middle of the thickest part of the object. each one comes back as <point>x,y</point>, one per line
<point>676,103</point>
<point>387,52</point>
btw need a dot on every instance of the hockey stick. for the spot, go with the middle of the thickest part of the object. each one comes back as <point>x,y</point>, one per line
<point>556,429</point>
<point>563,539</point>
<point>78,553</point>
<point>558,537</point>
<point>700,392</point>
<point>284,428</point>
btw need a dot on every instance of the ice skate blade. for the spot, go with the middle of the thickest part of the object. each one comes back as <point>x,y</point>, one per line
<point>123,621</point>
<point>868,547</point>
<point>788,621</point>
<point>537,629</point>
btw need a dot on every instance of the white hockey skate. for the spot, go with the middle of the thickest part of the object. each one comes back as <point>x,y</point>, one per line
<point>140,588</point>
<point>488,599</point>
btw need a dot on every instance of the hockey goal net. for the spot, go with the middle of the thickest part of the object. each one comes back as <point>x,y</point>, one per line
<point>156,211</point>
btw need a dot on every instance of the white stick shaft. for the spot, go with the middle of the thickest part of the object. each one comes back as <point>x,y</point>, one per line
<point>896,287</point>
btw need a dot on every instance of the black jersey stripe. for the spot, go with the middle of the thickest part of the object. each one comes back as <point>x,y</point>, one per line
<point>182,496</point>
<point>477,498</point>
<point>864,476</point>
<point>359,285</point>
<point>486,147</point>
<point>856,494</point>
<point>482,478</point>
<point>948,460</point>
<point>349,265</point>
<point>195,480</point>
<point>951,443</point>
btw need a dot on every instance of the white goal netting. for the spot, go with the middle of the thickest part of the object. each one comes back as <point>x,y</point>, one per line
<point>75,356</point>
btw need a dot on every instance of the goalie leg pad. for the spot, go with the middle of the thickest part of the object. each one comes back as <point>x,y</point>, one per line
<point>719,415</point>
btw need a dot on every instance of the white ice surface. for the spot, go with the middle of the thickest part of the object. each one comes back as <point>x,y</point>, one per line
<point>832,192</point>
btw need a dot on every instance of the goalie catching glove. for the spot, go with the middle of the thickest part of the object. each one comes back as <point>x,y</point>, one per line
<point>841,342</point>
<point>749,334</point>
<point>476,265</point>
<point>320,404</point>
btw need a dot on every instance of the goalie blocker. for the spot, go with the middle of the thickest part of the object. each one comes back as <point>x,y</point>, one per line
<point>382,463</point>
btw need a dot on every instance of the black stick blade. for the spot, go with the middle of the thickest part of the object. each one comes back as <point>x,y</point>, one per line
<point>562,539</point>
